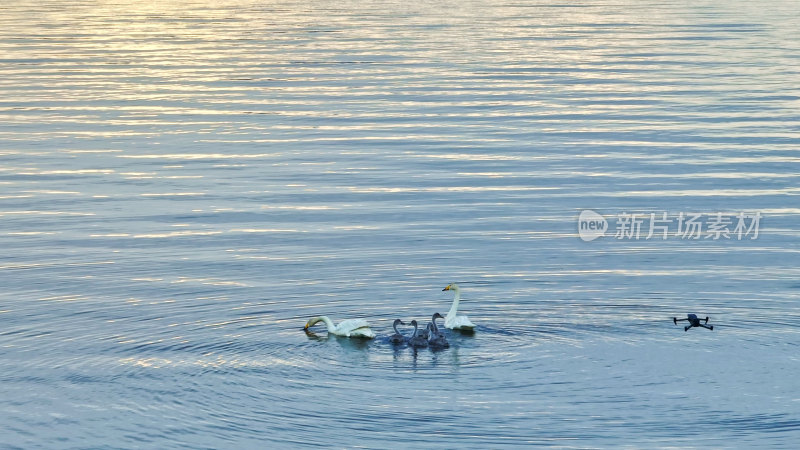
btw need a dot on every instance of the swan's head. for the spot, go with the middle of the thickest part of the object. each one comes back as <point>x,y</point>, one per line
<point>398,322</point>
<point>312,322</point>
<point>437,316</point>
<point>451,287</point>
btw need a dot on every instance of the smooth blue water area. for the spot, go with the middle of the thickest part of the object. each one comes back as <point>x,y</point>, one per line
<point>184,184</point>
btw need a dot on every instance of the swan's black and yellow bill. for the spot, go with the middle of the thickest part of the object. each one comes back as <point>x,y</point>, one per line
<point>447,288</point>
<point>306,327</point>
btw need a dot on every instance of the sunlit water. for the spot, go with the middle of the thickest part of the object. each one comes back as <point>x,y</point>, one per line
<point>184,184</point>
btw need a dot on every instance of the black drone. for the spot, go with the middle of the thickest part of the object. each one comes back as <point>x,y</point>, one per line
<point>694,321</point>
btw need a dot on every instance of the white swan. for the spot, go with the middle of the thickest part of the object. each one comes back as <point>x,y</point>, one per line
<point>453,321</point>
<point>346,328</point>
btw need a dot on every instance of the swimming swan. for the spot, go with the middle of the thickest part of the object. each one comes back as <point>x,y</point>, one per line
<point>453,321</point>
<point>417,341</point>
<point>346,328</point>
<point>437,339</point>
<point>435,328</point>
<point>397,338</point>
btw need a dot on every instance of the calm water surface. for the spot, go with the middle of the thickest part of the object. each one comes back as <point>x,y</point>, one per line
<point>184,184</point>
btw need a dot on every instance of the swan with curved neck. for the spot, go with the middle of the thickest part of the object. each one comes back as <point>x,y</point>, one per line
<point>437,339</point>
<point>397,338</point>
<point>417,341</point>
<point>452,320</point>
<point>435,328</point>
<point>346,328</point>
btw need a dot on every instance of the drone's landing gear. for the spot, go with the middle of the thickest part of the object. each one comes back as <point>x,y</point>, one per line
<point>694,321</point>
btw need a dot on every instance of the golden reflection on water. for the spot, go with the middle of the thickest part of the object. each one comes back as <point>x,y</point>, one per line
<point>180,176</point>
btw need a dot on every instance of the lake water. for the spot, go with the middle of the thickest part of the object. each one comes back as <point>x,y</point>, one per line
<point>184,184</point>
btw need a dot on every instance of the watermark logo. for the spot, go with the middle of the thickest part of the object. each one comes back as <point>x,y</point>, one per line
<point>591,225</point>
<point>646,226</point>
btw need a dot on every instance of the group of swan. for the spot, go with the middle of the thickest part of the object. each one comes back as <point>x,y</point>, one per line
<point>431,335</point>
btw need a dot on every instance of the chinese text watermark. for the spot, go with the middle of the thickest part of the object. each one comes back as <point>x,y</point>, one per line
<point>647,226</point>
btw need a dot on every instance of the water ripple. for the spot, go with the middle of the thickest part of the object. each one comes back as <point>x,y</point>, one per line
<point>183,185</point>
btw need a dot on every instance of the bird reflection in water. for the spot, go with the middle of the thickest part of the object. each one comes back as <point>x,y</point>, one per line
<point>354,344</point>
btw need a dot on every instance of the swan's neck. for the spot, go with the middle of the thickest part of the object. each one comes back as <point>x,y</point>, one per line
<point>328,323</point>
<point>415,331</point>
<point>394,325</point>
<point>454,306</point>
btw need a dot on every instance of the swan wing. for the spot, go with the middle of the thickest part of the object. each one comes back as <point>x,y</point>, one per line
<point>365,332</point>
<point>354,327</point>
<point>352,324</point>
<point>458,323</point>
